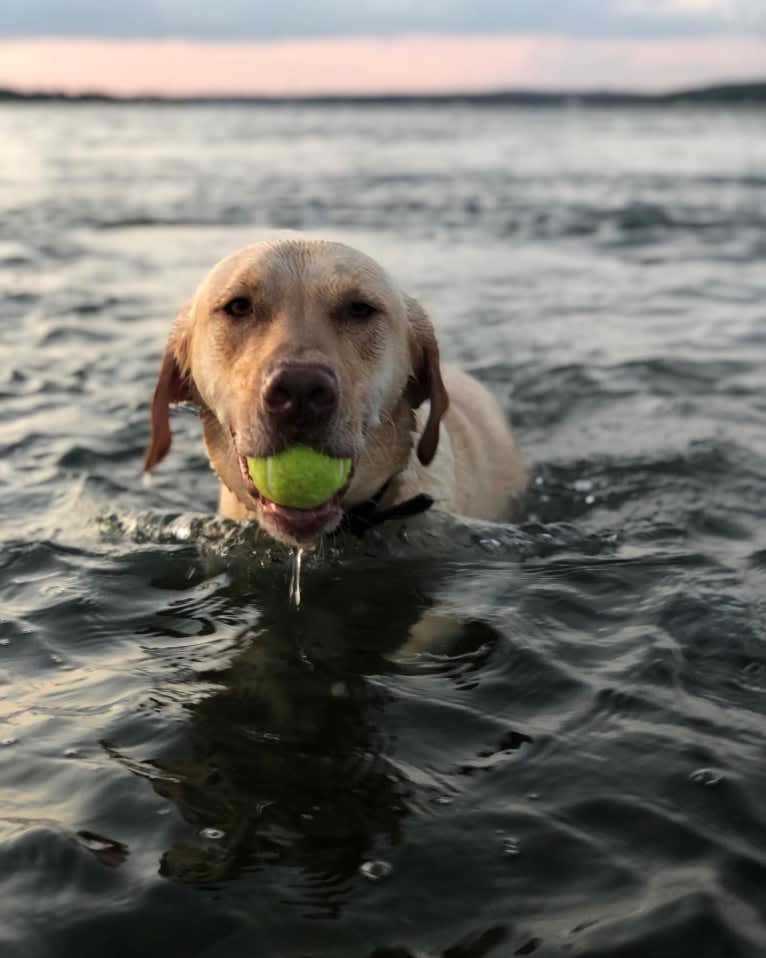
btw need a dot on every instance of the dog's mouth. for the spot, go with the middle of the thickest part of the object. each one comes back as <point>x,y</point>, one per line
<point>295,526</point>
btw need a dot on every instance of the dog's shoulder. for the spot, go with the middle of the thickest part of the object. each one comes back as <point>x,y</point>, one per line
<point>477,470</point>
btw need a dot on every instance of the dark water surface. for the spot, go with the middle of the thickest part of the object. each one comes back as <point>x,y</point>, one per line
<point>482,740</point>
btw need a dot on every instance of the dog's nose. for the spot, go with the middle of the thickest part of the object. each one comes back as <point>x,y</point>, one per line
<point>301,394</point>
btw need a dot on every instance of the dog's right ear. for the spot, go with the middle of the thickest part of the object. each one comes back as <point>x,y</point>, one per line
<point>174,385</point>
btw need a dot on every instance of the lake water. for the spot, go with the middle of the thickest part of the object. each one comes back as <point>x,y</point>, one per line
<point>469,740</point>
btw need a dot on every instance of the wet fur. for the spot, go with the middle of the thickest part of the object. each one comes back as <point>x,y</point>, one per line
<point>402,414</point>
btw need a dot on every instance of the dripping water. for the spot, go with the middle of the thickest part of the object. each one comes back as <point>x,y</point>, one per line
<point>295,578</point>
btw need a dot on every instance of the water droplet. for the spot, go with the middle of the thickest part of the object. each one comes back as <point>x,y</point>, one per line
<point>489,544</point>
<point>8,741</point>
<point>94,842</point>
<point>5,641</point>
<point>539,480</point>
<point>56,659</point>
<point>71,753</point>
<point>589,500</point>
<point>706,776</point>
<point>375,870</point>
<point>182,533</point>
<point>444,800</point>
<point>583,485</point>
<point>214,834</point>
<point>511,847</point>
<point>295,579</point>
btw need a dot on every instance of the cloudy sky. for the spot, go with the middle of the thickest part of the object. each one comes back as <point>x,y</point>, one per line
<point>304,46</point>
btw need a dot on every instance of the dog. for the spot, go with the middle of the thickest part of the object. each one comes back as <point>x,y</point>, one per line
<point>310,341</point>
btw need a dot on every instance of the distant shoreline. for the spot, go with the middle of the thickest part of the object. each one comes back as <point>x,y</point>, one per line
<point>724,93</point>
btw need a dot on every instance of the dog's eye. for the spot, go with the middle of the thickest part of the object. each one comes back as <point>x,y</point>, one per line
<point>358,309</point>
<point>239,306</point>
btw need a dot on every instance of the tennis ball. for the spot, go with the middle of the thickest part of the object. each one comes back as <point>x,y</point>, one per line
<point>299,477</point>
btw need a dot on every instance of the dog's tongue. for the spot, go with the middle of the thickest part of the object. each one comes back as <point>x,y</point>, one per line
<point>294,513</point>
<point>302,523</point>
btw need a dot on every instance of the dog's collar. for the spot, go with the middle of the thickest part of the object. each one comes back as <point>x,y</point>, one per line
<point>360,518</point>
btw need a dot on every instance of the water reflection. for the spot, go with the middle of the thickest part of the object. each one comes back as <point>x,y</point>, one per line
<point>287,762</point>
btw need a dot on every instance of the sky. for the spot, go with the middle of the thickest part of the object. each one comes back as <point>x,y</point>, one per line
<point>180,47</point>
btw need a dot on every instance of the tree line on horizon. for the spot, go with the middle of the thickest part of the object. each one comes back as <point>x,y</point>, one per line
<point>729,93</point>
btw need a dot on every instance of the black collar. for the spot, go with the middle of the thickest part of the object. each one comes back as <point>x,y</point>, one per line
<point>359,519</point>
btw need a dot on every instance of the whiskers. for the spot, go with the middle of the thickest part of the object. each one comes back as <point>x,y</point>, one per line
<point>383,418</point>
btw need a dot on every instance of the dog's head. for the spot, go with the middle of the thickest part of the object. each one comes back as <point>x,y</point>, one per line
<point>302,342</point>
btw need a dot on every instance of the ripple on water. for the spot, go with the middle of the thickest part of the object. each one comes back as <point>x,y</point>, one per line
<point>551,735</point>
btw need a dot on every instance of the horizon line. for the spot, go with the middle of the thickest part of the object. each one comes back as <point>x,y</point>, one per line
<point>715,88</point>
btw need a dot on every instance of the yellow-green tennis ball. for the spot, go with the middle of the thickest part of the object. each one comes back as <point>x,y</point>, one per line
<point>299,477</point>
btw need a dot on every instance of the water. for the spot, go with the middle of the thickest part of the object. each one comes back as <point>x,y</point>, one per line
<point>541,740</point>
<point>295,578</point>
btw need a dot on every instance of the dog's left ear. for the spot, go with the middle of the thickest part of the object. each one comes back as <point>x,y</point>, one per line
<point>425,382</point>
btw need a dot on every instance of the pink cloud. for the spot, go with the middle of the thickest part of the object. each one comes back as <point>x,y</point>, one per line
<point>403,64</point>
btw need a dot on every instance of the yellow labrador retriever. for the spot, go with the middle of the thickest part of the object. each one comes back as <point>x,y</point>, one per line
<point>311,342</point>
